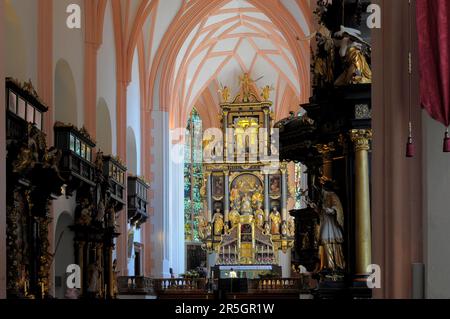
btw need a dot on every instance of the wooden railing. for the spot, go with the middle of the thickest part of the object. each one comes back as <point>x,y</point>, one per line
<point>135,286</point>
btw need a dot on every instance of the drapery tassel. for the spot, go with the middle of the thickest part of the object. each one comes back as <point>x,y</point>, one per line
<point>446,142</point>
<point>410,147</point>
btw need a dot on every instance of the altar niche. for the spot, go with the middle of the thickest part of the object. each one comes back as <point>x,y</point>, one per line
<point>245,195</point>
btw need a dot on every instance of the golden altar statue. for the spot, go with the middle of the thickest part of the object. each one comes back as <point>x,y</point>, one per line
<point>245,192</point>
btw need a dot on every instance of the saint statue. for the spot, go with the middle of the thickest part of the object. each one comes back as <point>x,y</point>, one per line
<point>246,205</point>
<point>85,215</point>
<point>330,232</point>
<point>275,221</point>
<point>248,88</point>
<point>259,216</point>
<point>94,276</point>
<point>202,225</point>
<point>291,226</point>
<point>351,49</point>
<point>323,60</point>
<point>218,223</point>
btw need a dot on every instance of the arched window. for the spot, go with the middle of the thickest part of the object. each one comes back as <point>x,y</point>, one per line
<point>193,176</point>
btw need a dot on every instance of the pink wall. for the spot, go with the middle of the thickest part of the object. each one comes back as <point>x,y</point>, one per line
<point>397,193</point>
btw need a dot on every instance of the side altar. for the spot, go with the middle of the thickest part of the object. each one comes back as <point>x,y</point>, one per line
<point>245,187</point>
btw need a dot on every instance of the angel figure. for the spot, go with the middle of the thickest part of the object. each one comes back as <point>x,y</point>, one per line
<point>225,93</point>
<point>265,92</point>
<point>353,49</point>
<point>330,232</point>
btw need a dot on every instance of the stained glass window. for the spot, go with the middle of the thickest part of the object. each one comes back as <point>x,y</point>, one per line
<point>193,176</point>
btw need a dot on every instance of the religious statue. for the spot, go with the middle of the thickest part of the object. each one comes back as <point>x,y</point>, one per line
<point>258,198</point>
<point>323,60</point>
<point>202,225</point>
<point>331,237</point>
<point>235,196</point>
<point>85,214</point>
<point>291,226</point>
<point>284,229</point>
<point>248,88</point>
<point>275,219</point>
<point>351,49</point>
<point>265,92</point>
<point>99,161</point>
<point>218,223</point>
<point>225,93</point>
<point>246,205</point>
<point>94,280</point>
<point>234,217</point>
<point>101,211</point>
<point>259,215</point>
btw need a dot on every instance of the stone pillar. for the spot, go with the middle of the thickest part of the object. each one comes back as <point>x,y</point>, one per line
<point>266,195</point>
<point>361,138</point>
<point>226,206</point>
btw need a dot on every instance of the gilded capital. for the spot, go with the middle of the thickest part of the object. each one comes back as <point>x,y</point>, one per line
<point>361,138</point>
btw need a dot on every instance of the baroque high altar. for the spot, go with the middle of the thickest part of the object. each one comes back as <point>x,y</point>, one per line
<point>246,187</point>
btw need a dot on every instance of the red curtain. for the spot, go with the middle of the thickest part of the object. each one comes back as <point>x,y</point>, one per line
<point>433,28</point>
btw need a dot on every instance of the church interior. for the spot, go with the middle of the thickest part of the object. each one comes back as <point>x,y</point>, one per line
<point>224,149</point>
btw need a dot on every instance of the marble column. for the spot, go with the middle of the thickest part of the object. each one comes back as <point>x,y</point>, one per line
<point>225,135</point>
<point>266,195</point>
<point>284,193</point>
<point>361,138</point>
<point>226,206</point>
<point>209,195</point>
<point>267,128</point>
